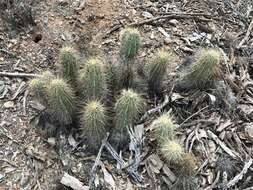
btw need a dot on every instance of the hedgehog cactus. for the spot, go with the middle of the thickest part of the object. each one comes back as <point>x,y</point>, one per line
<point>157,70</point>
<point>93,79</point>
<point>93,122</point>
<point>188,165</point>
<point>130,43</point>
<point>128,108</point>
<point>38,85</point>
<point>205,70</point>
<point>68,64</point>
<point>164,128</point>
<point>172,151</point>
<point>61,100</point>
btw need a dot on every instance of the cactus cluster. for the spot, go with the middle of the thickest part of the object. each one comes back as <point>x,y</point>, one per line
<point>171,150</point>
<point>90,83</point>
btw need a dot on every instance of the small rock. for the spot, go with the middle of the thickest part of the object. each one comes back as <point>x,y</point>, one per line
<point>1,177</point>
<point>147,15</point>
<point>173,22</point>
<point>51,141</point>
<point>160,29</point>
<point>249,131</point>
<point>9,104</point>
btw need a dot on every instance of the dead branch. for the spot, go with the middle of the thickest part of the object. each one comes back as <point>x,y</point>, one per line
<point>133,173</point>
<point>216,139</point>
<point>97,161</point>
<point>178,16</point>
<point>19,75</point>
<point>73,182</point>
<point>196,113</point>
<point>246,38</point>
<point>156,109</point>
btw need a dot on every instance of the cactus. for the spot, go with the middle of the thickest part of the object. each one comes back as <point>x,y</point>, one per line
<point>68,64</point>
<point>93,79</point>
<point>130,42</point>
<point>61,100</point>
<point>164,128</point>
<point>157,70</point>
<point>188,165</point>
<point>93,122</point>
<point>112,78</point>
<point>128,108</point>
<point>204,71</point>
<point>171,151</point>
<point>38,85</point>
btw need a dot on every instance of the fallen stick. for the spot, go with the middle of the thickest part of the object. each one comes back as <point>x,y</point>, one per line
<point>20,75</point>
<point>73,182</point>
<point>247,35</point>
<point>216,139</point>
<point>132,172</point>
<point>179,16</point>
<point>97,161</point>
<point>154,110</point>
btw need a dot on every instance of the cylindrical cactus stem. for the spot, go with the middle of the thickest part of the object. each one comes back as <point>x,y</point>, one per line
<point>172,151</point>
<point>61,100</point>
<point>157,70</point>
<point>93,79</point>
<point>130,43</point>
<point>68,65</point>
<point>204,71</point>
<point>163,127</point>
<point>38,85</point>
<point>127,109</point>
<point>93,123</point>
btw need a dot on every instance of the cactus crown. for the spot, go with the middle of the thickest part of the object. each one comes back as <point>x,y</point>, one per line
<point>130,43</point>
<point>38,85</point>
<point>61,100</point>
<point>172,151</point>
<point>158,65</point>
<point>93,78</point>
<point>68,64</point>
<point>94,121</point>
<point>206,68</point>
<point>164,128</point>
<point>128,108</point>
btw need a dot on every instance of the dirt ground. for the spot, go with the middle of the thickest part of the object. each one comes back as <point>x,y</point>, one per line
<point>31,160</point>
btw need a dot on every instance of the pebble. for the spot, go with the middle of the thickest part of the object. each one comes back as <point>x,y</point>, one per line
<point>9,104</point>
